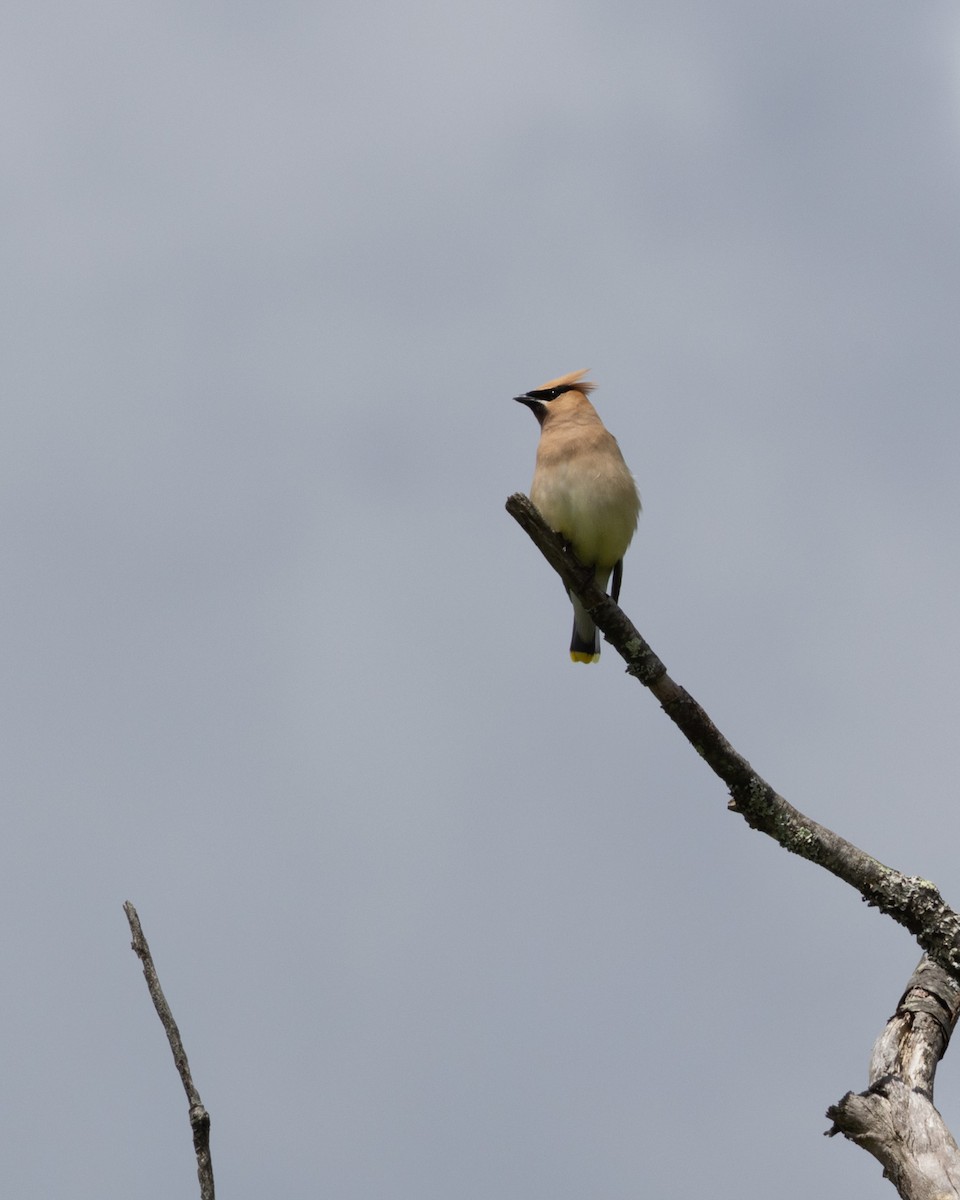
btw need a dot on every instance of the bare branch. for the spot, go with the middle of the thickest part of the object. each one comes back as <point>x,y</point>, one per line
<point>914,903</point>
<point>895,1119</point>
<point>199,1117</point>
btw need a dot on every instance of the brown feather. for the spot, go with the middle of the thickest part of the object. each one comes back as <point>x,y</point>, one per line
<point>565,381</point>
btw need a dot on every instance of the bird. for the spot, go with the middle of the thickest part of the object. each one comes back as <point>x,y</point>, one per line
<point>583,489</point>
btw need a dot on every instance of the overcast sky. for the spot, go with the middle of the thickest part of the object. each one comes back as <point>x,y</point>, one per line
<point>441,914</point>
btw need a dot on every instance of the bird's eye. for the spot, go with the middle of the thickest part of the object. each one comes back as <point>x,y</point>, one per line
<point>545,394</point>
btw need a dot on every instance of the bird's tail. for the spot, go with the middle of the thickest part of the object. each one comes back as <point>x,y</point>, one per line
<point>585,643</point>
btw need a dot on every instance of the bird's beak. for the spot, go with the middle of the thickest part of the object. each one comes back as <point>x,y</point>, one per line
<point>537,407</point>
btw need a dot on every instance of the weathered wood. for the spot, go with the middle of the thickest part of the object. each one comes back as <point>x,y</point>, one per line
<point>915,903</point>
<point>895,1119</point>
<point>199,1117</point>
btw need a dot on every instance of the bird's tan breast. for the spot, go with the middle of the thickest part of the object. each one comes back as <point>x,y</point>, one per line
<point>585,491</point>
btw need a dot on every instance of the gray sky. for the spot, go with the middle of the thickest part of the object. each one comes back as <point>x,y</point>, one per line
<point>440,914</point>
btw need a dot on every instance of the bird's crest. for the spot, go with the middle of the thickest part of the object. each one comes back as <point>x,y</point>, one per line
<point>571,382</point>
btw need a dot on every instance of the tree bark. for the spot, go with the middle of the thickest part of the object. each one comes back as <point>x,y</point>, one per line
<point>913,902</point>
<point>199,1117</point>
<point>894,1119</point>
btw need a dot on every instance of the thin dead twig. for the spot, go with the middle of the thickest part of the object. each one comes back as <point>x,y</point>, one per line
<point>199,1117</point>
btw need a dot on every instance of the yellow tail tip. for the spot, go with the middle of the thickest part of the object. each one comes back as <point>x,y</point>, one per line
<point>580,656</point>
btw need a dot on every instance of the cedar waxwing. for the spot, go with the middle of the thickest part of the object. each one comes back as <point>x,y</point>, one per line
<point>583,489</point>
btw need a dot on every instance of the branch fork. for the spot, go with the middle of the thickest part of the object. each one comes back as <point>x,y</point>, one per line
<point>894,1119</point>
